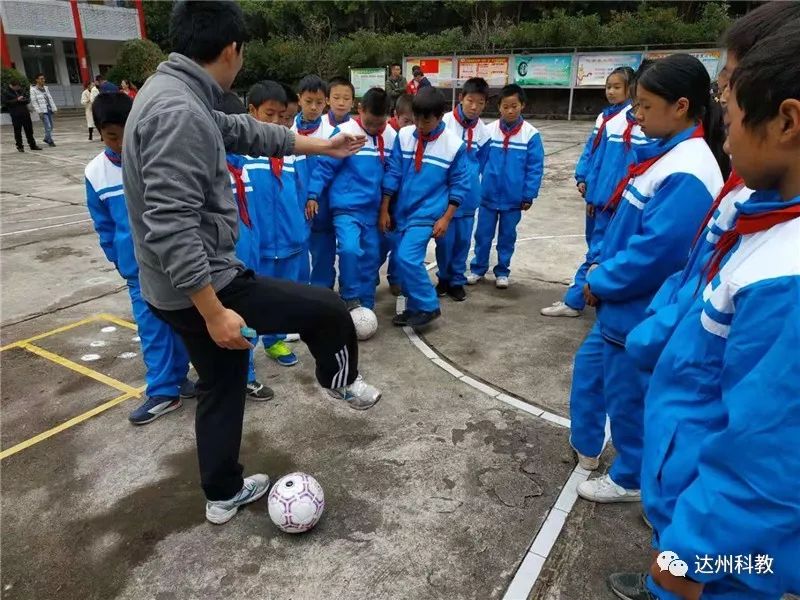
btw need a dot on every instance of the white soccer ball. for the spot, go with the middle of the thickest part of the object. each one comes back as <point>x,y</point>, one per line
<point>296,502</point>
<point>365,321</point>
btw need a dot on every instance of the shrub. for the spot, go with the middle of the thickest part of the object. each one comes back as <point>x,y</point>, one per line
<point>136,61</point>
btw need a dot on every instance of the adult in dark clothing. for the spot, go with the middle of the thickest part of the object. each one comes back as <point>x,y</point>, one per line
<point>396,83</point>
<point>15,100</point>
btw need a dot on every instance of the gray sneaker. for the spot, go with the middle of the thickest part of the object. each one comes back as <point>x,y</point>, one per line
<point>630,586</point>
<point>352,304</point>
<point>222,511</point>
<point>359,395</point>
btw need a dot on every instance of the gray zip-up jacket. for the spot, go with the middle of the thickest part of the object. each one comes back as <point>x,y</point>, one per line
<point>177,187</point>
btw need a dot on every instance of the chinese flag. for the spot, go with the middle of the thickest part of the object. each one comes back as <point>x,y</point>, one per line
<point>429,66</point>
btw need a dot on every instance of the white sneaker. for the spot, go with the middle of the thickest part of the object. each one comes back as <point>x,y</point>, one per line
<point>472,278</point>
<point>559,309</point>
<point>359,395</point>
<point>292,337</point>
<point>589,463</point>
<point>605,491</point>
<point>222,511</point>
<point>501,283</point>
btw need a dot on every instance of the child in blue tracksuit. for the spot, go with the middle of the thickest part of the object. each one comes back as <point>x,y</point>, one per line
<point>428,172</point>
<point>659,208</point>
<point>321,237</point>
<point>278,219</point>
<point>353,186</point>
<point>605,159</point>
<point>247,244</point>
<point>165,357</point>
<point>511,180</point>
<point>453,247</point>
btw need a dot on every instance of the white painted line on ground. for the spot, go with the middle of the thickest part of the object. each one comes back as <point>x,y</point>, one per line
<point>443,364</point>
<point>480,386</point>
<point>80,214</point>
<point>528,571</point>
<point>549,237</point>
<point>43,228</point>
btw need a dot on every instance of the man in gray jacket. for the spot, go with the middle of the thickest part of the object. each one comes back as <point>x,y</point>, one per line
<point>184,227</point>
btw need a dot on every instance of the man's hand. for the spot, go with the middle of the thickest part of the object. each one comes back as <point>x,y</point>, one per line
<point>590,210</point>
<point>681,586</point>
<point>582,189</point>
<point>440,227</point>
<point>526,205</point>
<point>345,144</point>
<point>590,298</point>
<point>225,328</point>
<point>385,221</point>
<point>312,208</point>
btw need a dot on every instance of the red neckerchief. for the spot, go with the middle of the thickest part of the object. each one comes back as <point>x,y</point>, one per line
<point>606,118</point>
<point>509,133</point>
<point>394,124</point>
<point>241,196</point>
<point>276,164</point>
<point>469,127</point>
<point>638,169</point>
<point>421,141</point>
<point>627,134</point>
<point>731,184</point>
<point>746,224</point>
<point>378,139</point>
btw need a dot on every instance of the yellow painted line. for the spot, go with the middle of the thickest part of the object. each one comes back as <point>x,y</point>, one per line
<point>117,320</point>
<point>65,362</point>
<point>52,332</point>
<point>71,423</point>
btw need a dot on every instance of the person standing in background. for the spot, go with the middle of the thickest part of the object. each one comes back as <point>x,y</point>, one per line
<point>87,97</point>
<point>16,100</point>
<point>127,88</point>
<point>395,84</point>
<point>44,104</point>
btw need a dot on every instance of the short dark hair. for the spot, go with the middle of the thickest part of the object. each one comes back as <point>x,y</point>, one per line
<point>339,81</point>
<point>765,76</point>
<point>312,83</point>
<point>758,24</point>
<point>111,109</point>
<point>231,104</point>
<point>417,70</point>
<point>512,89</point>
<point>39,75</point>
<point>377,102</point>
<point>201,29</point>
<point>393,65</point>
<point>291,95</point>
<point>264,91</point>
<point>404,104</point>
<point>429,102</point>
<point>476,85</point>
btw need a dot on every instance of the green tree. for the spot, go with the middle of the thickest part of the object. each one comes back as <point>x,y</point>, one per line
<point>8,76</point>
<point>136,61</point>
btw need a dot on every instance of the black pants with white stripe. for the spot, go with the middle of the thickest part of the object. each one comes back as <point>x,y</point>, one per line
<point>268,306</point>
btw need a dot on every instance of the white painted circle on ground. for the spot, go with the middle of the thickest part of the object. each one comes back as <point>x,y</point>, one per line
<point>127,355</point>
<point>90,357</point>
<point>136,339</point>
<point>97,280</point>
<point>97,344</point>
<point>108,329</point>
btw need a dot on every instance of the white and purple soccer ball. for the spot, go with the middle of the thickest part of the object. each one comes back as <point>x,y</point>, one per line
<point>296,502</point>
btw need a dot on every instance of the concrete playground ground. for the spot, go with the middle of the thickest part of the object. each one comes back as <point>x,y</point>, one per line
<point>460,483</point>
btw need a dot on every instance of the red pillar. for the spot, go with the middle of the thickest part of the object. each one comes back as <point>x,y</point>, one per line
<point>140,12</point>
<point>79,44</point>
<point>6,55</point>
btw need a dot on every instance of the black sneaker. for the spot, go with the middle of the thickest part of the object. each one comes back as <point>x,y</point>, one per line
<point>457,293</point>
<point>353,304</point>
<point>188,389</point>
<point>20,149</point>
<point>51,144</point>
<point>36,148</point>
<point>442,288</point>
<point>401,320</point>
<point>630,586</point>
<point>421,319</point>
<point>259,392</point>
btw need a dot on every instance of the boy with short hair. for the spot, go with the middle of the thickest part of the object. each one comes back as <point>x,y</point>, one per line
<point>340,97</point>
<point>165,357</point>
<point>279,221</point>
<point>453,248</point>
<point>292,106</point>
<point>403,114</point>
<point>354,188</point>
<point>428,172</point>
<point>511,180</point>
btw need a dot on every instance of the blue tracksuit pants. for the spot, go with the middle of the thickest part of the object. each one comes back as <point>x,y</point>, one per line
<point>727,588</point>
<point>412,245</point>
<point>595,229</point>
<point>288,268</point>
<point>452,251</point>
<point>388,244</point>
<point>587,408</point>
<point>322,245</point>
<point>358,247</point>
<point>165,358</point>
<point>505,223</point>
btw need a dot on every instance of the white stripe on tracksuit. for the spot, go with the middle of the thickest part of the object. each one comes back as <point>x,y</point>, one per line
<point>340,379</point>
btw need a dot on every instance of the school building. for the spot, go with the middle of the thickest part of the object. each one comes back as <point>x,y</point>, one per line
<point>70,41</point>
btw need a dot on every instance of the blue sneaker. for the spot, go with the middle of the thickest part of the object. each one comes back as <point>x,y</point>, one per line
<point>282,354</point>
<point>152,408</point>
<point>222,511</point>
<point>188,389</point>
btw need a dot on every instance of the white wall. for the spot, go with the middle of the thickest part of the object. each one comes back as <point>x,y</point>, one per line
<point>101,52</point>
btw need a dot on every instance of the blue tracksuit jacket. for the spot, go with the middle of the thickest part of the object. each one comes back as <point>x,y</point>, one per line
<point>476,154</point>
<point>512,178</point>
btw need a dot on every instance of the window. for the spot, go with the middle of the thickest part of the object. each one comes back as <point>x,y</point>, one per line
<point>38,56</point>
<point>73,66</point>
